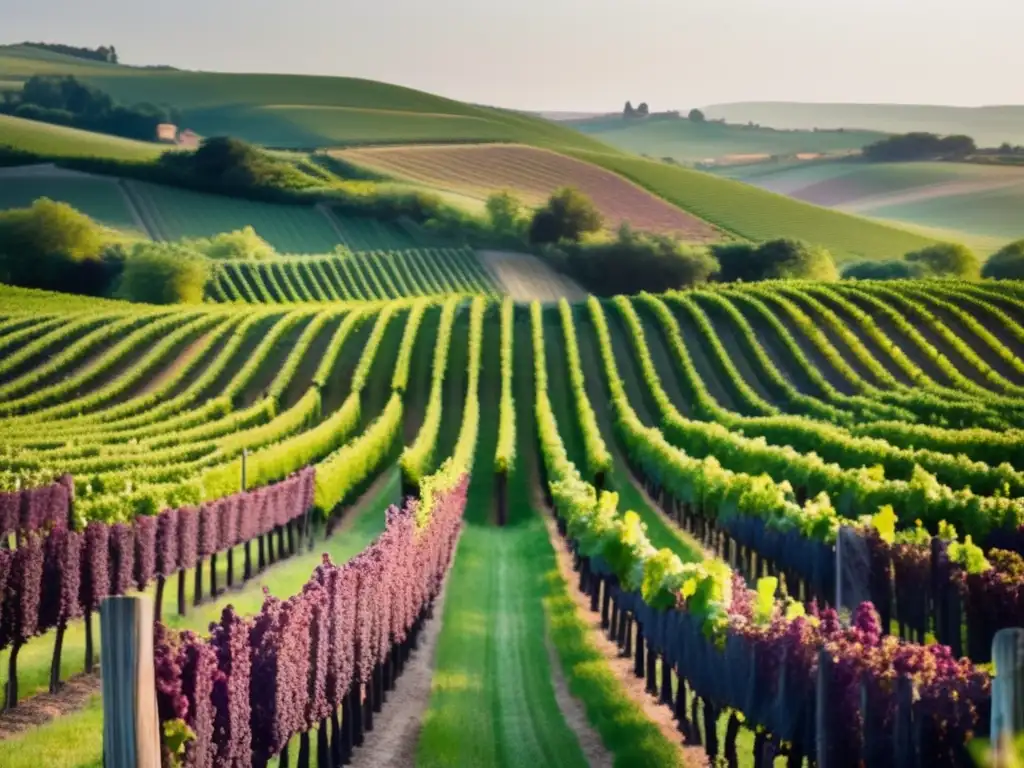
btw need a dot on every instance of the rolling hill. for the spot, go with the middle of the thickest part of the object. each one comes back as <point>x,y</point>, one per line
<point>691,142</point>
<point>989,126</point>
<point>60,141</point>
<point>298,110</point>
<point>979,204</point>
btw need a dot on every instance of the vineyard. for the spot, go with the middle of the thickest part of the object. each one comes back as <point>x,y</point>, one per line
<point>578,496</point>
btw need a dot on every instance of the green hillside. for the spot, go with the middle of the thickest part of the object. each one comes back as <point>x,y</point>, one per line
<point>989,126</point>
<point>689,142</point>
<point>979,204</point>
<point>755,214</point>
<point>298,110</point>
<point>97,197</point>
<point>60,141</point>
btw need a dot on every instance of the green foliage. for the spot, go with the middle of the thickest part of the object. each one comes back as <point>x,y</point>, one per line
<point>884,270</point>
<point>636,262</point>
<point>785,259</point>
<point>505,212</point>
<point>241,244</point>
<point>51,245</point>
<point>920,146</point>
<point>696,116</point>
<point>1007,264</point>
<point>162,273</point>
<point>567,216</point>
<point>947,260</point>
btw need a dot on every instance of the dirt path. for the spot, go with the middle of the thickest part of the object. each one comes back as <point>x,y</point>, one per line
<point>621,667</point>
<point>37,710</point>
<point>396,730</point>
<point>525,277</point>
<point>185,357</point>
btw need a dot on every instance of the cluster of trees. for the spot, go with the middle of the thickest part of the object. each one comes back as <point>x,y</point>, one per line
<point>104,53</point>
<point>641,111</point>
<point>567,231</point>
<point>920,146</point>
<point>66,100</point>
<point>943,260</point>
<point>55,247</point>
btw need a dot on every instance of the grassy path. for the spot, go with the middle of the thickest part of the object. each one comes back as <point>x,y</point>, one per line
<point>76,741</point>
<point>492,701</point>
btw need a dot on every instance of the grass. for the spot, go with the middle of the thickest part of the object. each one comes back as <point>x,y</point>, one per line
<point>99,198</point>
<point>60,141</point>
<point>298,110</point>
<point>757,215</point>
<point>76,740</point>
<point>172,213</point>
<point>994,213</point>
<point>690,142</point>
<point>492,701</point>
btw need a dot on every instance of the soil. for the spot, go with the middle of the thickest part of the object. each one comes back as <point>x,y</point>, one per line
<point>180,361</point>
<point>37,710</point>
<point>526,278</point>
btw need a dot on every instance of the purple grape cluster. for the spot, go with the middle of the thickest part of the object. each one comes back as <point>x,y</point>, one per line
<point>285,670</point>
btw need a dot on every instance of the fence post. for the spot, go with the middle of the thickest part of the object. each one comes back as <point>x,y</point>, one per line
<point>1007,691</point>
<point>131,731</point>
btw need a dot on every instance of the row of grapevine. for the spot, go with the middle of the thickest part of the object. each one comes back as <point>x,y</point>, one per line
<point>365,276</point>
<point>320,660</point>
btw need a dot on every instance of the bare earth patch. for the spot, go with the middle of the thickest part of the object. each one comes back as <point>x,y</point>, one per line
<point>532,174</point>
<point>525,277</point>
<point>186,356</point>
<point>37,710</point>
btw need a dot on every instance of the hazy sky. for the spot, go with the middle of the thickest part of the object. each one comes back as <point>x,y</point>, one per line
<point>575,54</point>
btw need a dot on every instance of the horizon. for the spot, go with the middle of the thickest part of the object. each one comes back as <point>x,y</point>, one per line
<point>555,58</point>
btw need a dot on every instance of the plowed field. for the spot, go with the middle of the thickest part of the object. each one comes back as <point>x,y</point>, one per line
<point>533,174</point>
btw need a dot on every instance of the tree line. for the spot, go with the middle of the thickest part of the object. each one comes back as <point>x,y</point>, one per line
<point>105,53</point>
<point>66,100</point>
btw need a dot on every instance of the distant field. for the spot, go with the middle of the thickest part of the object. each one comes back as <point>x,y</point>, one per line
<point>533,174</point>
<point>989,126</point>
<point>98,197</point>
<point>982,204</point>
<point>174,213</point>
<point>755,214</point>
<point>299,110</point>
<point>689,142</point>
<point>59,141</point>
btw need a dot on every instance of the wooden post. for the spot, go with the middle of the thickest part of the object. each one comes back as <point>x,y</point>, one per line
<point>131,730</point>
<point>1007,692</point>
<point>823,715</point>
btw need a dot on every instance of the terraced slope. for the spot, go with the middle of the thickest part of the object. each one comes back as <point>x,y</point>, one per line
<point>533,174</point>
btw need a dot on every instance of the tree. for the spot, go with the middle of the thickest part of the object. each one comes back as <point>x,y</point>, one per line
<point>568,215</point>
<point>504,210</point>
<point>919,146</point>
<point>772,260</point>
<point>696,116</point>
<point>628,111</point>
<point>894,269</point>
<point>49,245</point>
<point>638,261</point>
<point>160,273</point>
<point>241,244</point>
<point>643,110</point>
<point>1007,264</point>
<point>947,260</point>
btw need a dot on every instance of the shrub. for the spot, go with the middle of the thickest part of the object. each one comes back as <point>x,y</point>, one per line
<point>241,244</point>
<point>505,214</point>
<point>947,260</point>
<point>772,260</point>
<point>51,245</point>
<point>1007,264</point>
<point>884,270</point>
<point>568,215</point>
<point>635,262</point>
<point>163,273</point>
